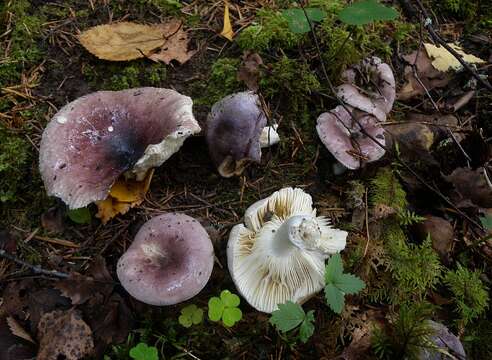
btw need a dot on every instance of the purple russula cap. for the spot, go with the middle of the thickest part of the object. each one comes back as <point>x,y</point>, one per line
<point>95,139</point>
<point>342,136</point>
<point>377,102</point>
<point>236,132</point>
<point>170,260</point>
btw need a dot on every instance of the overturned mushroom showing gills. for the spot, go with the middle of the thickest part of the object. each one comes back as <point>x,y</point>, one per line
<point>170,260</point>
<point>236,132</point>
<point>95,139</point>
<point>279,253</point>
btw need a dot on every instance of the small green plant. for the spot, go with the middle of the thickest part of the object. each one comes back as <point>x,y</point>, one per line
<point>469,293</point>
<point>367,11</point>
<point>408,217</point>
<point>80,215</point>
<point>225,308</point>
<point>407,335</point>
<point>290,316</point>
<point>298,19</point>
<point>190,315</point>
<point>339,284</point>
<point>144,352</point>
<point>14,156</point>
<point>486,221</point>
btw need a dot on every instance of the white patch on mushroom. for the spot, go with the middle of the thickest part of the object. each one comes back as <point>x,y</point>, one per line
<point>269,136</point>
<point>61,119</point>
<point>110,128</point>
<point>279,254</point>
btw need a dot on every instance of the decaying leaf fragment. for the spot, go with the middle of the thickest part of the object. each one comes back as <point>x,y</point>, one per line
<point>127,41</point>
<point>175,46</point>
<point>227,31</point>
<point>249,71</point>
<point>124,194</point>
<point>444,61</point>
<point>64,333</point>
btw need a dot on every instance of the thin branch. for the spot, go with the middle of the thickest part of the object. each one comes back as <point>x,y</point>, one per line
<point>34,268</point>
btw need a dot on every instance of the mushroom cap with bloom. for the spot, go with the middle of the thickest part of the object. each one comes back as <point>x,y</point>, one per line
<point>279,253</point>
<point>95,139</point>
<point>169,261</point>
<point>344,139</point>
<point>234,132</point>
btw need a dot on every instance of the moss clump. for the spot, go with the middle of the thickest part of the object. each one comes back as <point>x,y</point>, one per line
<point>124,76</point>
<point>14,158</point>
<point>24,51</point>
<point>387,190</point>
<point>270,30</point>
<point>221,82</point>
<point>469,293</point>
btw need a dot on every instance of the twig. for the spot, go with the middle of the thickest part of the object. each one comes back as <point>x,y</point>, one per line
<point>34,268</point>
<point>363,130</point>
<point>437,38</point>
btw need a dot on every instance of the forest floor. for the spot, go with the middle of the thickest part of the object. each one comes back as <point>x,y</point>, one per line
<point>436,180</point>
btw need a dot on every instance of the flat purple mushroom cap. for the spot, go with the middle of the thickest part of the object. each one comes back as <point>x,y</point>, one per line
<point>234,126</point>
<point>170,260</point>
<point>346,146</point>
<point>93,140</point>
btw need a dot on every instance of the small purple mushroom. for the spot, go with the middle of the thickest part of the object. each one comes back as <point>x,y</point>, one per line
<point>344,139</point>
<point>95,139</point>
<point>170,260</point>
<point>236,132</point>
<point>445,342</point>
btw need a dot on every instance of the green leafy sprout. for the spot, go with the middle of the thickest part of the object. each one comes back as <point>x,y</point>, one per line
<point>190,315</point>
<point>339,284</point>
<point>290,316</point>
<point>365,12</point>
<point>225,308</point>
<point>298,20</point>
<point>144,352</point>
<point>80,215</point>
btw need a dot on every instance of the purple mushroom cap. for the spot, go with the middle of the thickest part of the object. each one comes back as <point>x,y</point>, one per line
<point>93,140</point>
<point>443,339</point>
<point>170,260</point>
<point>234,126</point>
<point>343,138</point>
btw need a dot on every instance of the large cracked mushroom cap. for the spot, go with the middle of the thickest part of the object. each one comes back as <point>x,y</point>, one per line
<point>279,253</point>
<point>345,140</point>
<point>170,260</point>
<point>95,139</point>
<point>236,132</point>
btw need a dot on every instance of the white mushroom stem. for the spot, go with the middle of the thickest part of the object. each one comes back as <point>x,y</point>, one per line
<point>269,136</point>
<point>299,231</point>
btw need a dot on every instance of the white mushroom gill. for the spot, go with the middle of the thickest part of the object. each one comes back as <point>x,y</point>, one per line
<point>280,254</point>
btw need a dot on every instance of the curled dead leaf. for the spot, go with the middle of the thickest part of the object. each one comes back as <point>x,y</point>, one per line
<point>249,70</point>
<point>444,61</point>
<point>18,330</point>
<point>124,195</point>
<point>227,31</point>
<point>64,333</point>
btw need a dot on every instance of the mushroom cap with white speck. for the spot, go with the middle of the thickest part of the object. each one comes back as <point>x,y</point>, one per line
<point>170,260</point>
<point>94,139</point>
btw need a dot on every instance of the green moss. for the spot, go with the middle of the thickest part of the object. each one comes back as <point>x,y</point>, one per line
<point>387,190</point>
<point>23,51</point>
<point>221,82</point>
<point>14,158</point>
<point>470,295</point>
<point>269,30</point>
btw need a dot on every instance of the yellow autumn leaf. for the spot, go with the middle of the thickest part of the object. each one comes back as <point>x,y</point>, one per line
<point>124,195</point>
<point>227,31</point>
<point>444,61</point>
<point>123,41</point>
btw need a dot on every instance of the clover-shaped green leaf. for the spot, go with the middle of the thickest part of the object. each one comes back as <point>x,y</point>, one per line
<point>291,315</point>
<point>297,21</point>
<point>190,315</point>
<point>225,308</point>
<point>144,352</point>
<point>365,12</point>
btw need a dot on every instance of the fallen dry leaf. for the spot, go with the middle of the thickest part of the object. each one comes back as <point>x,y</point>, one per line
<point>444,61</point>
<point>249,70</point>
<point>123,195</point>
<point>18,330</point>
<point>427,76</point>
<point>123,41</point>
<point>175,46</point>
<point>472,185</point>
<point>441,233</point>
<point>227,31</point>
<point>12,347</point>
<point>64,333</point>
<point>52,220</point>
